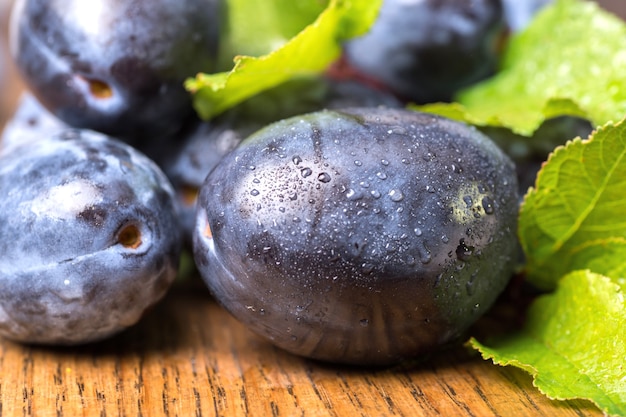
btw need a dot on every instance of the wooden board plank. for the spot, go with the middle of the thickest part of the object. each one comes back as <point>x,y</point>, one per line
<point>188,357</point>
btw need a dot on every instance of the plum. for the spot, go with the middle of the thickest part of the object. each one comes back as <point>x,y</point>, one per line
<point>90,238</point>
<point>363,236</point>
<point>115,66</point>
<point>29,122</point>
<point>207,142</point>
<point>427,50</point>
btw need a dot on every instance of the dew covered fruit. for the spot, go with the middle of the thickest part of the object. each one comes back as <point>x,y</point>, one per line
<point>115,66</point>
<point>362,236</point>
<point>207,142</point>
<point>90,238</point>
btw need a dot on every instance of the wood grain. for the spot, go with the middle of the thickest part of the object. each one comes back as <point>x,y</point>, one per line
<point>188,357</point>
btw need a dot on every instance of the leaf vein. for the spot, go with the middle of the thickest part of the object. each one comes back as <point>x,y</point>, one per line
<point>576,225</point>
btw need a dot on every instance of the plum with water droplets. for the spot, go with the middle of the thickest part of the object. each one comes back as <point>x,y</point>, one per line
<point>363,236</point>
<point>196,153</point>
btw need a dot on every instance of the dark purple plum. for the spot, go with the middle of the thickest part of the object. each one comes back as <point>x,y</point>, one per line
<point>115,66</point>
<point>90,238</point>
<point>363,236</point>
<point>188,165</point>
<point>30,122</point>
<point>205,145</point>
<point>427,50</point>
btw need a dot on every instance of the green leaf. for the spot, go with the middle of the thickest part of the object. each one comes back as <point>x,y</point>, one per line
<point>573,343</point>
<point>255,28</point>
<point>311,51</point>
<point>575,216</point>
<point>570,60</point>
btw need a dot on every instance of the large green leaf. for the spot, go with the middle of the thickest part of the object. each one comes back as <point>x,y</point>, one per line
<point>311,51</point>
<point>570,60</point>
<point>252,27</point>
<point>575,216</point>
<point>573,342</point>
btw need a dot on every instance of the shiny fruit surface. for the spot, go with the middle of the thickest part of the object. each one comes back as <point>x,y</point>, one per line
<point>115,66</point>
<point>362,236</point>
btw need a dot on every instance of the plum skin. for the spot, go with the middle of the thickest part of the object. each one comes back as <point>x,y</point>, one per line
<point>115,67</point>
<point>29,123</point>
<point>361,236</point>
<point>428,50</point>
<point>196,153</point>
<point>91,238</point>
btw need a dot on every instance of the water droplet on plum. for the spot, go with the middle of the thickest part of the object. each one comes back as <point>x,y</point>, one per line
<point>324,177</point>
<point>463,251</point>
<point>396,195</point>
<point>367,268</point>
<point>487,203</point>
<point>353,195</point>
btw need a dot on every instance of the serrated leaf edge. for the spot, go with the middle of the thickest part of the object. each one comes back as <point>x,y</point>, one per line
<point>531,370</point>
<point>537,188</point>
<point>473,343</point>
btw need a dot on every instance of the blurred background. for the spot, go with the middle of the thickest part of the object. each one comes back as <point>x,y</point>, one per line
<point>617,6</point>
<point>11,86</point>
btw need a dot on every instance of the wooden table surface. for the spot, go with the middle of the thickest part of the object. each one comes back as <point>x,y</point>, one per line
<point>188,357</point>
